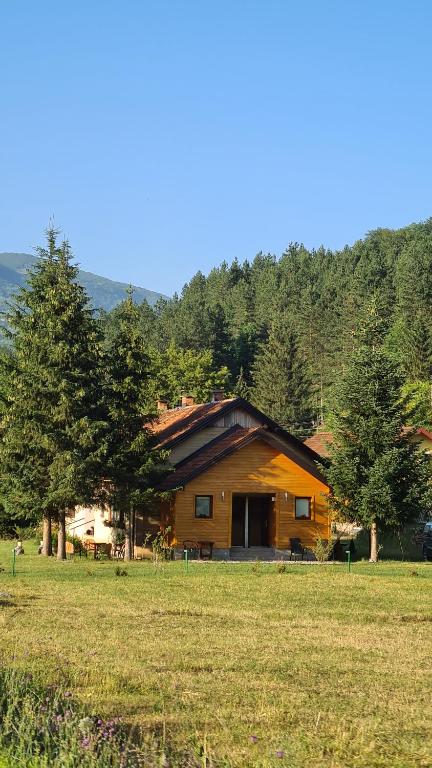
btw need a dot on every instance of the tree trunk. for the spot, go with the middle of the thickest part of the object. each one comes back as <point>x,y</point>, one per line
<point>61,541</point>
<point>128,536</point>
<point>46,536</point>
<point>373,557</point>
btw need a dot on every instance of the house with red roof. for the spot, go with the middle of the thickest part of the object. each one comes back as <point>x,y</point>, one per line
<point>240,484</point>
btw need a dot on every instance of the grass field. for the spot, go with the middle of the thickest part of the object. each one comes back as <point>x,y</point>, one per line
<point>323,667</point>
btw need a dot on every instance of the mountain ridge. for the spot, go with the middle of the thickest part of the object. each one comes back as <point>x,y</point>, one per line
<point>103,292</point>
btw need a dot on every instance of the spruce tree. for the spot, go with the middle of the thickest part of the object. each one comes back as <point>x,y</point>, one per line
<point>132,467</point>
<point>241,388</point>
<point>51,428</point>
<point>378,478</point>
<point>282,387</point>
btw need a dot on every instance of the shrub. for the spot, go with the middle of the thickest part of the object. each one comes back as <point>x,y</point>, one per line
<point>322,549</point>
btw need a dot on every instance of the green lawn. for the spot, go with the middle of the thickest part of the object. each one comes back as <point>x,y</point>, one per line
<point>332,668</point>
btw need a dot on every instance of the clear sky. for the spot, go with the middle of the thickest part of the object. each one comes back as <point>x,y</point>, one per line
<point>165,136</point>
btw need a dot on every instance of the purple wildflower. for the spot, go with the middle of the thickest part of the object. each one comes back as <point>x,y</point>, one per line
<point>85,742</point>
<point>280,753</point>
<point>253,739</point>
<point>59,718</point>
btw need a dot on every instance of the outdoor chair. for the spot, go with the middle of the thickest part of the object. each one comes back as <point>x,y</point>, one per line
<point>70,549</point>
<point>297,548</point>
<point>193,548</point>
<point>205,550</point>
<point>119,551</point>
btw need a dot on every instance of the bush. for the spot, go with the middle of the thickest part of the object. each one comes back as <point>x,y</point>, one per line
<point>322,549</point>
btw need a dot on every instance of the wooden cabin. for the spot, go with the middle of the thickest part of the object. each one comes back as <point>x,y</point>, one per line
<point>239,482</point>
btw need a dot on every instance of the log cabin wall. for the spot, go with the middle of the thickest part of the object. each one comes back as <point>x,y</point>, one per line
<point>256,468</point>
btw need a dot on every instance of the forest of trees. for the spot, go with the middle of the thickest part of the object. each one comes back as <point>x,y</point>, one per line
<point>77,387</point>
<point>305,306</point>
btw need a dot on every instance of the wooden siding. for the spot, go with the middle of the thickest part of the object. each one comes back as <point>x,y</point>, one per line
<point>195,441</point>
<point>241,417</point>
<point>256,468</point>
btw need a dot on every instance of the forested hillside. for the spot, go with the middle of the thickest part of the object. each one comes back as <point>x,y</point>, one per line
<point>284,325</point>
<point>104,293</point>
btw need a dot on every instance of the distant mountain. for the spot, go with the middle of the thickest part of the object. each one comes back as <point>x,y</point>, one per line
<point>104,293</point>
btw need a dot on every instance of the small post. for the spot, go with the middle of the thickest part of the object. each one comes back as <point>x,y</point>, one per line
<point>186,561</point>
<point>348,554</point>
<point>13,562</point>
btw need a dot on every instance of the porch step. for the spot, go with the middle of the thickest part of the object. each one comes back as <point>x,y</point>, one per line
<point>252,553</point>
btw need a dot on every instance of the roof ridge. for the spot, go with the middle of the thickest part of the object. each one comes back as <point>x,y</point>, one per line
<point>209,412</point>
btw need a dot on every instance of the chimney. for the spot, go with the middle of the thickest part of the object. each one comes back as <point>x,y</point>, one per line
<point>162,405</point>
<point>218,395</point>
<point>187,400</point>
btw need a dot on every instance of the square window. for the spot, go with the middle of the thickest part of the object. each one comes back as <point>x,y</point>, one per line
<point>204,506</point>
<point>303,508</point>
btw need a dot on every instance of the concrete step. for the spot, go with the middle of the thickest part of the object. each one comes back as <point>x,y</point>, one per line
<point>252,553</point>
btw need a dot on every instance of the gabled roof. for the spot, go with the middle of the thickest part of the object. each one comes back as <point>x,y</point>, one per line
<point>177,424</point>
<point>208,454</point>
<point>225,444</point>
<point>421,431</point>
<point>320,443</point>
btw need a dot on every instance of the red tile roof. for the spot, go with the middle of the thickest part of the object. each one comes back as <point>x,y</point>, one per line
<point>209,454</point>
<point>424,433</point>
<point>174,423</point>
<point>320,443</point>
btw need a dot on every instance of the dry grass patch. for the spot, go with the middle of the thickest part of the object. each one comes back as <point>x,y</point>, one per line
<point>331,669</point>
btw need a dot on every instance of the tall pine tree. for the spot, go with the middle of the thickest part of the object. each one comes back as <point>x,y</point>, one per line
<point>282,387</point>
<point>51,428</point>
<point>378,478</point>
<point>132,467</point>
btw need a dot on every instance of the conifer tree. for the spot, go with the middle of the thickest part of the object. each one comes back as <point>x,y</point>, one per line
<point>378,478</point>
<point>282,388</point>
<point>241,388</point>
<point>132,467</point>
<point>51,426</point>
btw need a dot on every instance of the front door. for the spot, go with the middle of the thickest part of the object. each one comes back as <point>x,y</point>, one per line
<point>250,521</point>
<point>238,521</point>
<point>258,518</point>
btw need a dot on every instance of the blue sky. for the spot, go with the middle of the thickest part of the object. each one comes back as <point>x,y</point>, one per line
<point>166,136</point>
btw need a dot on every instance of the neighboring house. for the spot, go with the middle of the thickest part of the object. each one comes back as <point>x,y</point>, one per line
<point>421,437</point>
<point>89,523</point>
<point>321,442</point>
<point>239,481</point>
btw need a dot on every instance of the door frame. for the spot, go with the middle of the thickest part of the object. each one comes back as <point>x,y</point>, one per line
<point>246,496</point>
